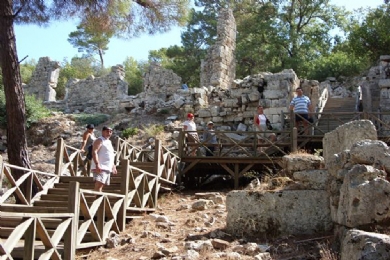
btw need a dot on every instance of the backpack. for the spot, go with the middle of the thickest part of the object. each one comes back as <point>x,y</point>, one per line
<point>89,152</point>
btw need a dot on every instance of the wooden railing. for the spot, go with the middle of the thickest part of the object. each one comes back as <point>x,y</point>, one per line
<point>90,215</point>
<point>235,144</point>
<point>33,183</point>
<point>126,151</point>
<point>105,214</point>
<point>289,138</point>
<point>69,160</point>
<point>33,226</point>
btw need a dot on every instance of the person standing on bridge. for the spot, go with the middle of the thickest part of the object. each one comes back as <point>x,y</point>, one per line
<point>303,109</point>
<point>210,139</point>
<point>192,136</point>
<point>103,159</point>
<point>260,122</point>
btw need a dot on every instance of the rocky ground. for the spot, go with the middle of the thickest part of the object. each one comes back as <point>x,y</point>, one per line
<point>191,225</point>
<point>187,224</point>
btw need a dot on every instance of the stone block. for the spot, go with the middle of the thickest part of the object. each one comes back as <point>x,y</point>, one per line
<point>344,136</point>
<point>273,214</point>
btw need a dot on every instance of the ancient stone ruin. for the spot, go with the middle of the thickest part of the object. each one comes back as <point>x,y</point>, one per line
<point>44,80</point>
<point>219,67</point>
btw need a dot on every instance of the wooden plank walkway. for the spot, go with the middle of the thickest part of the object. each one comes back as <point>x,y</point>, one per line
<point>65,214</point>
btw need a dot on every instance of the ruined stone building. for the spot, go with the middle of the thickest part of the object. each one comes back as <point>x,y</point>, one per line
<point>230,103</point>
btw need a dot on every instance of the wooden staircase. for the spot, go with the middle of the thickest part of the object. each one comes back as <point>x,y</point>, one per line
<point>337,111</point>
<point>66,214</point>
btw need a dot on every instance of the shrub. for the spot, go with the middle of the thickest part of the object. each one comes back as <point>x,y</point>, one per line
<point>153,130</point>
<point>35,110</point>
<point>164,111</point>
<point>131,131</point>
<point>96,119</point>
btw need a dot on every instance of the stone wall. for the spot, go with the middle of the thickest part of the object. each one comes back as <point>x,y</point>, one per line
<point>229,108</point>
<point>219,67</point>
<point>44,80</point>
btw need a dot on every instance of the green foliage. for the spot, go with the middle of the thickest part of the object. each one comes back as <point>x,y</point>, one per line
<point>153,130</point>
<point>96,119</point>
<point>35,110</point>
<point>164,112</point>
<point>27,69</point>
<point>131,131</point>
<point>336,64</point>
<point>133,75</point>
<point>78,68</point>
<point>370,37</point>
<point>90,41</point>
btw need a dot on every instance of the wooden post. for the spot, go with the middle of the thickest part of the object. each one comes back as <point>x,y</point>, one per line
<point>181,143</point>
<point>70,243</point>
<point>294,140</point>
<point>29,240</point>
<point>236,175</point>
<point>59,156</point>
<point>180,154</point>
<point>29,188</point>
<point>125,176</point>
<point>157,169</point>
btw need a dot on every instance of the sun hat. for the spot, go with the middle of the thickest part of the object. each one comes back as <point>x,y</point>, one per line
<point>90,126</point>
<point>210,123</point>
<point>190,115</point>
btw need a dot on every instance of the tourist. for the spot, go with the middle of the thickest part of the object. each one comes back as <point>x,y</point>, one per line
<point>103,159</point>
<point>192,136</point>
<point>260,122</point>
<point>88,138</point>
<point>303,109</point>
<point>210,139</point>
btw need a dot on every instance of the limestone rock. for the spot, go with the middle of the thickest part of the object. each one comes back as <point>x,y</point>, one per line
<point>342,138</point>
<point>358,244</point>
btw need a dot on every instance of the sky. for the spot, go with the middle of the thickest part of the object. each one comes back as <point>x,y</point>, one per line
<point>35,42</point>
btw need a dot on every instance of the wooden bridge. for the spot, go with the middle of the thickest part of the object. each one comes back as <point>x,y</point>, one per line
<point>239,152</point>
<point>60,213</point>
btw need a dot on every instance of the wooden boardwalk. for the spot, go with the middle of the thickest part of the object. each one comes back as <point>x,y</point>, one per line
<point>61,213</point>
<point>239,152</point>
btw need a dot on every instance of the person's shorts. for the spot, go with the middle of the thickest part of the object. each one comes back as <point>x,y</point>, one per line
<point>301,117</point>
<point>102,177</point>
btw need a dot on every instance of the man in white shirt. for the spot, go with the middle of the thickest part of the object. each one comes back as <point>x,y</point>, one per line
<point>103,159</point>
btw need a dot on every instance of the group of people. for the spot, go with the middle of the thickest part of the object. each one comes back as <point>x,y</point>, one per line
<point>102,163</point>
<point>300,104</point>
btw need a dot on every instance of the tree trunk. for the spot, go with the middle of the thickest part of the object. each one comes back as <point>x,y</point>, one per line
<point>15,103</point>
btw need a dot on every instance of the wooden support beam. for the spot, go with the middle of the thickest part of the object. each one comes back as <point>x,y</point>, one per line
<point>125,174</point>
<point>29,240</point>
<point>70,242</point>
<point>59,156</point>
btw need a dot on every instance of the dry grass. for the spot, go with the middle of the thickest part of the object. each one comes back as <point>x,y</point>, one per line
<point>326,252</point>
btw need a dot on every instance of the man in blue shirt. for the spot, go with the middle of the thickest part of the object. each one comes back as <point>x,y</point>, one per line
<point>303,109</point>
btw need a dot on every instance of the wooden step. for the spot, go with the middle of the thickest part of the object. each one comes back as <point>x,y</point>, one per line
<point>35,209</point>
<point>115,178</point>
